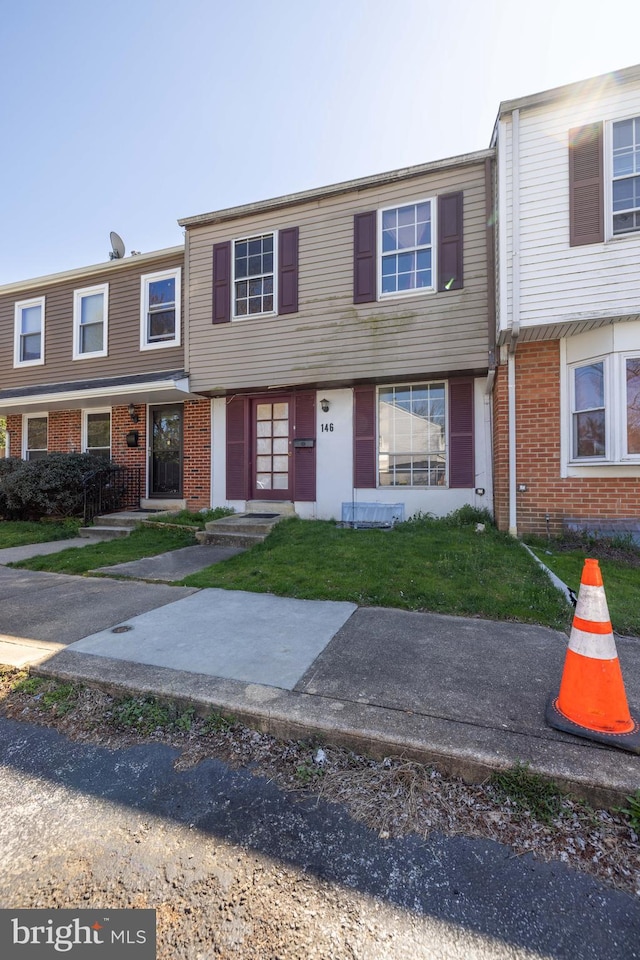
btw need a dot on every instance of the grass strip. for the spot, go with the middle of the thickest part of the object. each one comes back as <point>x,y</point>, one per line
<point>18,533</point>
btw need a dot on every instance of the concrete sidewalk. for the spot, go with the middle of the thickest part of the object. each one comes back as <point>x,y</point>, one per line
<point>466,694</point>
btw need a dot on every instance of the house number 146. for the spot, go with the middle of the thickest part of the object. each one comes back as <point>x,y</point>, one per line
<point>327,428</point>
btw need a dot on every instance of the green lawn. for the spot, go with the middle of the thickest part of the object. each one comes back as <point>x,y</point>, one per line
<point>425,565</point>
<point>17,533</point>
<point>621,581</point>
<point>142,542</point>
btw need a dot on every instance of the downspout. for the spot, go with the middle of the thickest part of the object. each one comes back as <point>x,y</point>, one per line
<point>515,316</point>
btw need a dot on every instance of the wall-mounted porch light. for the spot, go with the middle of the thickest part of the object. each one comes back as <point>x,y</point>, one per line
<point>324,403</point>
<point>132,413</point>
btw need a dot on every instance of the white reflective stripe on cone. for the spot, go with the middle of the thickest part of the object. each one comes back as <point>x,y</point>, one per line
<point>598,646</point>
<point>592,604</point>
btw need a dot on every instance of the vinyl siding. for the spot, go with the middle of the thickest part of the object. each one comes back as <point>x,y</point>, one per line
<point>330,339</point>
<point>124,355</point>
<point>559,283</point>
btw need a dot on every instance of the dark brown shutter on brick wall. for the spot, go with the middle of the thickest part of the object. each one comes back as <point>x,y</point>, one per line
<point>288,270</point>
<point>304,466</point>
<point>221,282</point>
<point>364,437</point>
<point>586,185</point>
<point>450,242</point>
<point>237,448</point>
<point>364,257</point>
<point>461,461</point>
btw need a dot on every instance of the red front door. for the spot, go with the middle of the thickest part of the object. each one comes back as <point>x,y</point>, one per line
<point>271,438</point>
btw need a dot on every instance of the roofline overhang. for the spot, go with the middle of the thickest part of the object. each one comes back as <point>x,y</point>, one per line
<point>336,189</point>
<point>152,391</point>
<point>96,269</point>
<point>557,330</point>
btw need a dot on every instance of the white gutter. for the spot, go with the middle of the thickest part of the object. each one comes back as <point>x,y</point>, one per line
<point>515,317</point>
<point>158,390</point>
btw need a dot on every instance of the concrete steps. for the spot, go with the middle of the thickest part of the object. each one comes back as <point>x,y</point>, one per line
<point>110,526</point>
<point>244,529</point>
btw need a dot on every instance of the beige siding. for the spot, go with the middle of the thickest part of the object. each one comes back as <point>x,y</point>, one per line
<point>330,339</point>
<point>124,357</point>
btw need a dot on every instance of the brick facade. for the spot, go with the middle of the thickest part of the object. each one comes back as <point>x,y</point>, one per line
<point>65,436</point>
<point>538,453</point>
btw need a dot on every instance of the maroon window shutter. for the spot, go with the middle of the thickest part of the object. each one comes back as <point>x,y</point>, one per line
<point>237,448</point>
<point>221,282</point>
<point>288,270</point>
<point>304,458</point>
<point>364,257</point>
<point>461,460</point>
<point>450,245</point>
<point>586,185</point>
<point>364,437</point>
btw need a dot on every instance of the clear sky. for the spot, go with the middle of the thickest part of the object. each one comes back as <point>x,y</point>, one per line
<point>128,114</point>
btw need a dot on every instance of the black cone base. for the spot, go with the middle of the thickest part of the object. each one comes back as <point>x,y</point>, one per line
<point>623,741</point>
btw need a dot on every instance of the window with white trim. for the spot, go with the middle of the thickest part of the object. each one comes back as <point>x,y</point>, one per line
<point>406,249</point>
<point>35,439</point>
<point>254,276</point>
<point>626,176</point>
<point>90,312</point>
<point>412,435</point>
<point>97,433</point>
<point>604,394</point>
<point>589,437</point>
<point>160,310</point>
<point>28,348</point>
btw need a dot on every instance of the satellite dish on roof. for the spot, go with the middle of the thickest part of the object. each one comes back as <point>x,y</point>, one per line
<point>117,246</point>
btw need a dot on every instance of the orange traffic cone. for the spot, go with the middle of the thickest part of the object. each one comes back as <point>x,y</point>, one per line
<point>592,701</point>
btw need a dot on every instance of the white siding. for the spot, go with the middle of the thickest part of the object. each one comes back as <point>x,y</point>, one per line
<point>559,283</point>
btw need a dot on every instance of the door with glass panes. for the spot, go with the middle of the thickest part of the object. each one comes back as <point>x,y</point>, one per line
<point>165,450</point>
<point>271,438</point>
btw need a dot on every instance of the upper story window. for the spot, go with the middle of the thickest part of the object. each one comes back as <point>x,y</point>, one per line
<point>254,271</point>
<point>35,436</point>
<point>626,176</point>
<point>406,252</point>
<point>29,333</point>
<point>160,310</point>
<point>90,311</point>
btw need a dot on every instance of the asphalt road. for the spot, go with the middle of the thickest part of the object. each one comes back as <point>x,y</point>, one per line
<point>237,868</point>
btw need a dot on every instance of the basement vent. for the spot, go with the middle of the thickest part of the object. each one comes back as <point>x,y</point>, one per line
<point>372,514</point>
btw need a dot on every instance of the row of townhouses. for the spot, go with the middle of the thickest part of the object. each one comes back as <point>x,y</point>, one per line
<point>465,331</point>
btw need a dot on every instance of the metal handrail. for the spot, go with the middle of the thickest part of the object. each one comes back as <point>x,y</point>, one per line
<point>110,489</point>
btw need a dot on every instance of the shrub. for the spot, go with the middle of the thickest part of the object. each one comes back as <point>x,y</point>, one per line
<point>8,465</point>
<point>52,486</point>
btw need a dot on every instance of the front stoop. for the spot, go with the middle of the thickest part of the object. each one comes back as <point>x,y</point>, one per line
<point>241,530</point>
<point>110,526</point>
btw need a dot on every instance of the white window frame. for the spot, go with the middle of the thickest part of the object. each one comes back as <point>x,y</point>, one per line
<point>78,296</point>
<point>379,453</point>
<point>25,430</point>
<point>622,400</point>
<point>145,281</point>
<point>244,239</point>
<point>608,170</point>
<point>17,337</point>
<point>87,411</point>
<point>433,246</point>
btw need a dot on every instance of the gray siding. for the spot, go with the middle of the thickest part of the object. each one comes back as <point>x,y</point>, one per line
<point>124,355</point>
<point>331,340</point>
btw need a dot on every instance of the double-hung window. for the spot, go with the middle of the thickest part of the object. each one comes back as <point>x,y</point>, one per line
<point>35,436</point>
<point>412,430</point>
<point>160,310</point>
<point>97,433</point>
<point>589,432</point>
<point>29,333</point>
<point>90,312</point>
<point>406,248</point>
<point>626,176</point>
<point>254,273</point>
